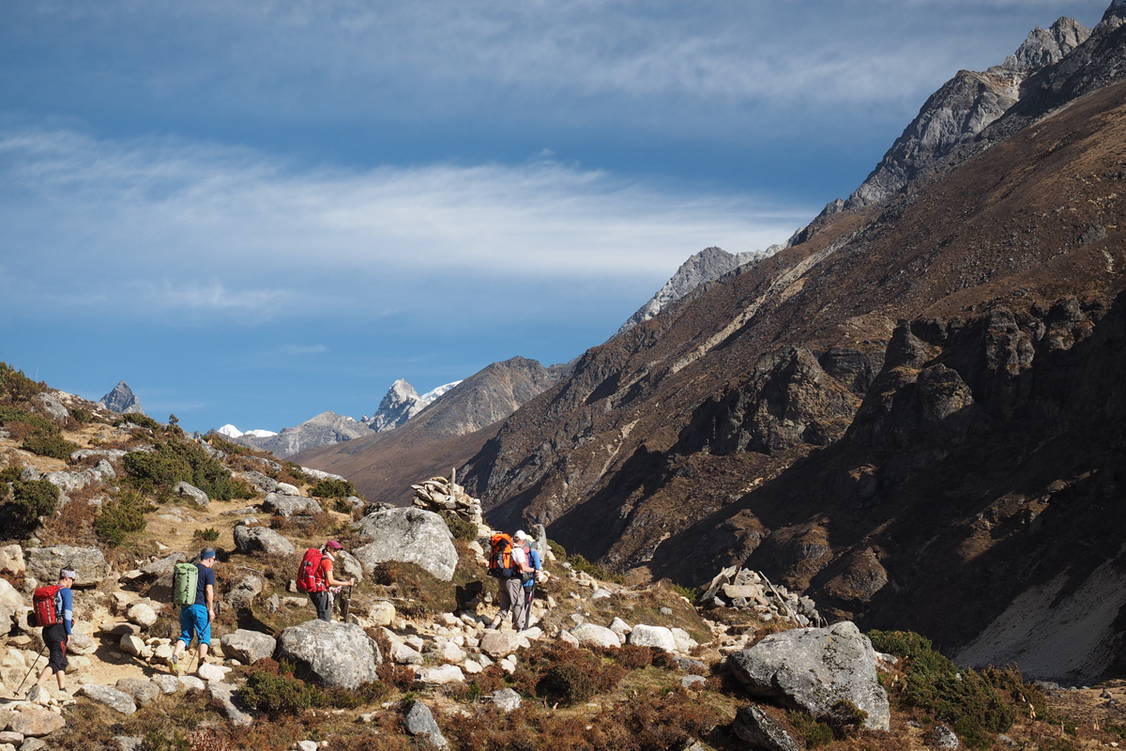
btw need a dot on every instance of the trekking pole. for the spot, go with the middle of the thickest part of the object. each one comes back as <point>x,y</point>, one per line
<point>33,664</point>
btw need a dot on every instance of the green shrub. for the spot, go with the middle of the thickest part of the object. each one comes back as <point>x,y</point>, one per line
<point>183,460</point>
<point>16,386</point>
<point>121,517</point>
<point>30,500</point>
<point>578,563</point>
<point>13,416</point>
<point>845,719</point>
<point>295,471</point>
<point>138,419</point>
<point>812,732</point>
<point>559,551</point>
<point>9,474</point>
<point>459,528</point>
<point>566,675</point>
<point>329,488</point>
<point>936,685</point>
<point>48,444</point>
<point>276,694</point>
<point>207,535</point>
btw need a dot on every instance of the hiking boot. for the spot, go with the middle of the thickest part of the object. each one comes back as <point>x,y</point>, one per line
<point>36,694</point>
<point>174,665</point>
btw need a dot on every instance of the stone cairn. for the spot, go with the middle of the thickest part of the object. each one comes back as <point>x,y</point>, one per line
<point>744,589</point>
<point>444,494</point>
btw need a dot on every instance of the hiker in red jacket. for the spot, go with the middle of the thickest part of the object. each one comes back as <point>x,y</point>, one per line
<point>322,596</point>
<point>56,635</point>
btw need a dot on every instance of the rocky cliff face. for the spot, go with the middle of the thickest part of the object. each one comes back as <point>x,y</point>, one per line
<point>871,413</point>
<point>705,266</point>
<point>962,108</point>
<point>121,399</point>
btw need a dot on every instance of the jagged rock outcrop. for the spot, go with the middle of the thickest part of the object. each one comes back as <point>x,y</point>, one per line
<point>704,266</point>
<point>401,403</point>
<point>333,654</point>
<point>122,400</point>
<point>962,108</point>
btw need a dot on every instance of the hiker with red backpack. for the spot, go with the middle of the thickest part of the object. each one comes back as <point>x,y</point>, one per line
<point>314,577</point>
<point>507,563</point>
<point>53,606</point>
<point>193,589</point>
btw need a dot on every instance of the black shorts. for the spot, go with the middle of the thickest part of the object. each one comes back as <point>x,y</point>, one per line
<point>55,639</point>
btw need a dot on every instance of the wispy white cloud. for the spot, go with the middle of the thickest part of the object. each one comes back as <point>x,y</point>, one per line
<point>186,226</point>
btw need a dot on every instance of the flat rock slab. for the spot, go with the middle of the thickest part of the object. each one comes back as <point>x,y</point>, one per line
<point>34,721</point>
<point>119,701</point>
<point>813,669</point>
<point>290,505</point>
<point>595,635</point>
<point>141,689</point>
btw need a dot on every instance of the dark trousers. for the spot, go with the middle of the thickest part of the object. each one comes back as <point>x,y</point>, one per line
<point>322,601</point>
<point>55,639</point>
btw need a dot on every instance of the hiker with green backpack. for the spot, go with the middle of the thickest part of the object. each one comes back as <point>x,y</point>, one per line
<point>193,589</point>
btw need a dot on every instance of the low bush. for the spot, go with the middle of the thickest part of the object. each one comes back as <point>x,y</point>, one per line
<point>566,675</point>
<point>121,517</point>
<point>579,563</point>
<point>15,386</point>
<point>9,474</point>
<point>178,460</point>
<point>812,733</point>
<point>963,697</point>
<point>276,694</point>
<point>459,528</point>
<point>296,475</point>
<point>210,534</point>
<point>82,415</point>
<point>48,444</point>
<point>329,488</point>
<point>29,500</point>
<point>633,657</point>
<point>138,419</point>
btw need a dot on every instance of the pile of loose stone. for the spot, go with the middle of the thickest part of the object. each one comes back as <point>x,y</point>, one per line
<point>743,588</point>
<point>443,494</point>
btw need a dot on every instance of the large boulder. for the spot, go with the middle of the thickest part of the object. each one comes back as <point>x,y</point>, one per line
<point>248,646</point>
<point>11,560</point>
<point>50,404</point>
<point>43,564</point>
<point>653,636</point>
<point>69,482</point>
<point>761,731</point>
<point>33,721</point>
<point>262,539</point>
<point>290,505</point>
<point>141,689</point>
<point>11,604</point>
<point>162,567</point>
<point>192,493</point>
<point>596,636</point>
<point>813,669</point>
<point>420,723</point>
<point>261,482</point>
<point>498,644</point>
<point>408,535</point>
<point>335,654</point>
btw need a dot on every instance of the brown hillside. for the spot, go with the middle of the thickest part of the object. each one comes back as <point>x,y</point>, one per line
<point>787,413</point>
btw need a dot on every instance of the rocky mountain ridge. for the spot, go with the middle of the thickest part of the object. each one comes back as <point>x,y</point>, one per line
<point>704,266</point>
<point>401,403</point>
<point>122,400</point>
<point>729,427</point>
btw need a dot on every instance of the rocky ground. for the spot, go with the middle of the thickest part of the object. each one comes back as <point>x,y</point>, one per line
<point>606,664</point>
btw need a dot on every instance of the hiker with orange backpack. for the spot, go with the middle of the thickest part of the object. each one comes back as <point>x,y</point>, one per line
<point>314,577</point>
<point>54,611</point>
<point>507,563</point>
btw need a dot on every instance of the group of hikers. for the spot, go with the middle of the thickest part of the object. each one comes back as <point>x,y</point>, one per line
<point>513,560</point>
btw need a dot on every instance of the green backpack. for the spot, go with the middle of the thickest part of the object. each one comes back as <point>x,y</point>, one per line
<point>185,580</point>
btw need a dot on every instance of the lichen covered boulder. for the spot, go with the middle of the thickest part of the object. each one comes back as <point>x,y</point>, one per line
<point>334,654</point>
<point>407,535</point>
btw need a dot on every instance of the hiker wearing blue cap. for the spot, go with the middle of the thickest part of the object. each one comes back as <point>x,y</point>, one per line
<point>193,589</point>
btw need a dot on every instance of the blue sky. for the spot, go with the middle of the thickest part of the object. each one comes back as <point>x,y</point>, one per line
<point>255,211</point>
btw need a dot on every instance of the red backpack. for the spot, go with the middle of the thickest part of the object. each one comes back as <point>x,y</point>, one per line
<point>43,605</point>
<point>500,557</point>
<point>309,576</point>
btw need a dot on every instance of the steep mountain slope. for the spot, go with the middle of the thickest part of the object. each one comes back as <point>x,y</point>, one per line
<point>705,266</point>
<point>873,412</point>
<point>320,430</point>
<point>443,435</point>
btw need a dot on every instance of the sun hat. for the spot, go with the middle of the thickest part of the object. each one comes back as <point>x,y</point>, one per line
<point>334,545</point>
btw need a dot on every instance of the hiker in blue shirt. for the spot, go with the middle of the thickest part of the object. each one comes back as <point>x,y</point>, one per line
<point>535,562</point>
<point>195,619</point>
<point>56,635</point>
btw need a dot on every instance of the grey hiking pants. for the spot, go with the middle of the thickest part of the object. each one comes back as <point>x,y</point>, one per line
<point>510,597</point>
<point>322,601</point>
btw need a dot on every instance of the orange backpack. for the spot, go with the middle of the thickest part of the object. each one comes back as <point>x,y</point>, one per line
<point>500,557</point>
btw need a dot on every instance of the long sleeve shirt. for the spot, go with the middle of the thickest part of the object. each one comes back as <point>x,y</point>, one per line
<point>64,607</point>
